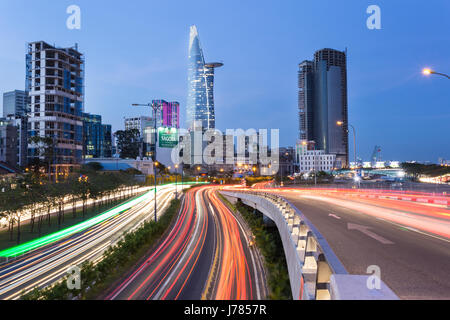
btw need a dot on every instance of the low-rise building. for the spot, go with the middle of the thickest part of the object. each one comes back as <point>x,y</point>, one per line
<point>308,160</point>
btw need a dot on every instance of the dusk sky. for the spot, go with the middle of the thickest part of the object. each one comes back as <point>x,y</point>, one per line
<point>136,51</point>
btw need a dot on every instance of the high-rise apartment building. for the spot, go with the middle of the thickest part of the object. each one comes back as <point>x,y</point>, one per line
<point>55,82</point>
<point>168,114</point>
<point>323,103</point>
<point>97,137</point>
<point>200,101</point>
<point>15,103</point>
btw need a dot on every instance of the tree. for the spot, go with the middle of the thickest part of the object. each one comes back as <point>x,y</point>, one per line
<point>94,166</point>
<point>128,143</point>
<point>46,149</point>
<point>413,169</point>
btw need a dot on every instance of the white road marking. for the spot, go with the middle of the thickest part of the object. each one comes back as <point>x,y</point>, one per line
<point>367,232</point>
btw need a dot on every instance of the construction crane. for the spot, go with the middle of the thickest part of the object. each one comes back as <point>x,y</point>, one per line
<point>375,156</point>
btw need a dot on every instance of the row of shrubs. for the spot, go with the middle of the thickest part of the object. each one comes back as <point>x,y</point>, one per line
<point>269,243</point>
<point>96,279</point>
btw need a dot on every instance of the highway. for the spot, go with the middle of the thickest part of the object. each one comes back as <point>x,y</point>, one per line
<point>47,264</point>
<point>204,256</point>
<point>409,241</point>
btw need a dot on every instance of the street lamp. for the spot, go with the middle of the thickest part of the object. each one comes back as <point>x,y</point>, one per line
<point>176,181</point>
<point>340,123</point>
<point>428,71</point>
<point>156,107</point>
<point>169,168</point>
<point>198,173</point>
<point>315,164</point>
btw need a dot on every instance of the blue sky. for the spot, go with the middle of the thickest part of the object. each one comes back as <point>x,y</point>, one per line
<point>136,51</point>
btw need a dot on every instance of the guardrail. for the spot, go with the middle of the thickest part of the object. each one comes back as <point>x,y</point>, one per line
<point>315,272</point>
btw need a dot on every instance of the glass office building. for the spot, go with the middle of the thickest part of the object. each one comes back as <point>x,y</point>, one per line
<point>97,137</point>
<point>15,103</point>
<point>322,102</point>
<point>200,101</point>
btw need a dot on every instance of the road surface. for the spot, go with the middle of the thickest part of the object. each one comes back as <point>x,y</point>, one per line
<point>46,265</point>
<point>204,256</point>
<point>409,241</point>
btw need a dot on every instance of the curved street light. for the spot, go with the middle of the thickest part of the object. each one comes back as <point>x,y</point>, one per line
<point>340,124</point>
<point>155,108</point>
<point>428,71</point>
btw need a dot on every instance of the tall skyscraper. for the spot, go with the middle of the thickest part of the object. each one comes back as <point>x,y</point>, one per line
<point>209,75</point>
<point>15,103</point>
<point>55,81</point>
<point>200,101</point>
<point>323,102</point>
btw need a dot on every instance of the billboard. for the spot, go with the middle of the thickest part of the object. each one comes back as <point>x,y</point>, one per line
<point>167,137</point>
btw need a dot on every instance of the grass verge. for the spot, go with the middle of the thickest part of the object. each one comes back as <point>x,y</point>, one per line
<point>117,260</point>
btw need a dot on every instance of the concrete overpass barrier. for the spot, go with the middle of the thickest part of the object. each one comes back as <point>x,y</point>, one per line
<point>315,272</point>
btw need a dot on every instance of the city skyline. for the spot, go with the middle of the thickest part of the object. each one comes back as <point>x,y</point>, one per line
<point>388,115</point>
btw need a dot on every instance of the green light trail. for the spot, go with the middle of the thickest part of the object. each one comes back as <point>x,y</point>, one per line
<point>34,244</point>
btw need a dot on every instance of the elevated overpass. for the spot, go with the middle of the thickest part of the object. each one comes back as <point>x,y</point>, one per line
<point>315,272</point>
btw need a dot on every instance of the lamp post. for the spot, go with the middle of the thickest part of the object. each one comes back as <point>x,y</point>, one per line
<point>155,108</point>
<point>176,181</point>
<point>198,173</point>
<point>428,71</point>
<point>340,123</point>
<point>182,172</point>
<point>315,164</point>
<point>168,168</point>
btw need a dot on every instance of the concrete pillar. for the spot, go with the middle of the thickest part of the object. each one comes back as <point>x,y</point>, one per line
<point>309,269</point>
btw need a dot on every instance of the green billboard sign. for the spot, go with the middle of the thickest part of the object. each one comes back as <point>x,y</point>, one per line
<point>168,137</point>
